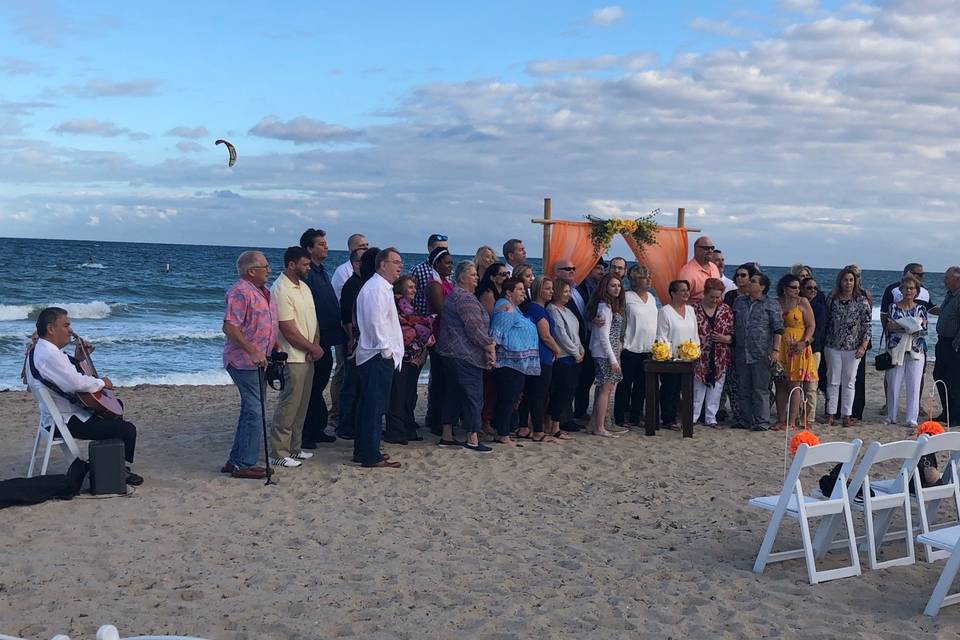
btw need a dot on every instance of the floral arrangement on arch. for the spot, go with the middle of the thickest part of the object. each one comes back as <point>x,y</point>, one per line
<point>643,230</point>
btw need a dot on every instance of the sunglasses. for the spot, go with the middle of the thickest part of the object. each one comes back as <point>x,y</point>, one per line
<point>500,274</point>
<point>439,237</point>
<point>705,247</point>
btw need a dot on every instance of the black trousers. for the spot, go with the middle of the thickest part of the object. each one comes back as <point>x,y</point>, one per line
<point>669,397</point>
<point>401,425</point>
<point>563,384</point>
<point>316,421</point>
<point>509,383</point>
<point>947,368</point>
<point>97,428</point>
<point>632,390</point>
<point>533,407</point>
<point>435,390</point>
<point>585,380</point>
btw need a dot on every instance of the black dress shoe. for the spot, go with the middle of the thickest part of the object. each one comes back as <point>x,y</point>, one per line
<point>403,442</point>
<point>133,479</point>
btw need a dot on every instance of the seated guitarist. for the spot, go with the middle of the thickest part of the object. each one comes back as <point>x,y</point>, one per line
<point>60,371</point>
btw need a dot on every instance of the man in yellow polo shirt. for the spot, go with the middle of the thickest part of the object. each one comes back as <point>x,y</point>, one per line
<point>300,339</point>
<point>699,269</point>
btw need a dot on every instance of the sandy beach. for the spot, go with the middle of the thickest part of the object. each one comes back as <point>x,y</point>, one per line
<point>591,538</point>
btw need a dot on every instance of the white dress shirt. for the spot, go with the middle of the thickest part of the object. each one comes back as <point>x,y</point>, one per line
<point>54,366</point>
<point>378,322</point>
<point>728,284</point>
<point>340,277</point>
<point>578,300</point>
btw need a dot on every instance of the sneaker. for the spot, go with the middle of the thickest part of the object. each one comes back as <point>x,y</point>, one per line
<point>479,448</point>
<point>285,462</point>
<point>302,455</point>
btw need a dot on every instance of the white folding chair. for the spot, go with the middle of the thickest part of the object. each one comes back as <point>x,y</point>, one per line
<point>794,503</point>
<point>928,498</point>
<point>109,632</point>
<point>891,494</point>
<point>946,541</point>
<point>48,432</point>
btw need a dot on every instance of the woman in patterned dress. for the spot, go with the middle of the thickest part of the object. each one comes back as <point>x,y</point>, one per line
<point>606,304</point>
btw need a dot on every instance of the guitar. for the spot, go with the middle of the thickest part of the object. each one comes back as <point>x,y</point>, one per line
<point>102,403</point>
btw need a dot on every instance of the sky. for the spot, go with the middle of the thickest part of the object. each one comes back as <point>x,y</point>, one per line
<point>790,130</point>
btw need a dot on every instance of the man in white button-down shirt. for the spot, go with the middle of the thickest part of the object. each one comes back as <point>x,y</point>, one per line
<point>55,368</point>
<point>379,353</point>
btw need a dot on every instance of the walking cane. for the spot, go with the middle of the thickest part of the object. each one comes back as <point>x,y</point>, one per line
<point>263,416</point>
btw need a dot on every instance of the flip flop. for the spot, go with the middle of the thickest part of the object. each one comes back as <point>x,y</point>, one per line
<point>529,435</point>
<point>605,435</point>
<point>560,435</point>
<point>543,438</point>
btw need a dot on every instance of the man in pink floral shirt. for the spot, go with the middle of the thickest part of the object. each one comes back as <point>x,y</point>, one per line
<point>251,326</point>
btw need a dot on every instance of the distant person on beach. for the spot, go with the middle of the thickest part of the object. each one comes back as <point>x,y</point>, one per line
<point>488,291</point>
<point>567,335</point>
<point>906,330</point>
<point>715,328</point>
<point>464,343</point>
<point>947,366</point>
<point>848,334</point>
<point>565,270</point>
<point>54,367</point>
<point>299,338</point>
<point>365,268</point>
<point>401,426</point>
<point>484,257</point>
<point>438,288</point>
<point>731,388</point>
<point>524,272</point>
<point>759,328</point>
<point>379,354</point>
<point>718,259</point>
<point>533,406</point>
<point>424,272</point>
<point>640,329</point>
<point>251,328</point>
<point>607,304</point>
<point>517,355</point>
<point>892,295</point>
<point>514,253</point>
<point>860,381</point>
<point>810,290</point>
<point>676,323</point>
<point>699,268</point>
<point>345,270</point>
<point>796,354</point>
<point>331,337</point>
<point>618,268</point>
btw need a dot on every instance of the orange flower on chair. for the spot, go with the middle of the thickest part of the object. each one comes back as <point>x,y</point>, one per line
<point>804,437</point>
<point>930,428</point>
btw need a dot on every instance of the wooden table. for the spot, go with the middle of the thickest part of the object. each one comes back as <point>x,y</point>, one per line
<point>653,369</point>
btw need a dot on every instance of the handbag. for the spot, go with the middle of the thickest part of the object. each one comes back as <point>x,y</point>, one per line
<point>883,360</point>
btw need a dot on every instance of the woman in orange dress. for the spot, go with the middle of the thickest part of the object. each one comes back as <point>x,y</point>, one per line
<point>796,357</point>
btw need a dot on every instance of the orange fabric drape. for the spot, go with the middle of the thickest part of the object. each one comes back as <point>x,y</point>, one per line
<point>571,241</point>
<point>663,259</point>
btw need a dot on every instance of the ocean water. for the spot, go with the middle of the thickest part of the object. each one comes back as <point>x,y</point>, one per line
<point>151,326</point>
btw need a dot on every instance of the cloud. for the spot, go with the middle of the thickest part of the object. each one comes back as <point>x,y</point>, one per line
<point>583,65</point>
<point>302,130</point>
<point>189,132</point>
<point>19,67</point>
<point>189,146</point>
<point>800,6</point>
<point>94,127</point>
<point>43,22</point>
<point>718,27</point>
<point>101,88</point>
<point>93,221</point>
<point>607,16</point>
<point>831,130</point>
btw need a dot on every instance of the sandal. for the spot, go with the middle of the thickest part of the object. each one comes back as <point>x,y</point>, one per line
<point>543,438</point>
<point>560,435</point>
<point>528,436</point>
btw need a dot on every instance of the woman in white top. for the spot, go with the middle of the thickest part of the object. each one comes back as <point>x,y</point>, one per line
<point>563,384</point>
<point>676,323</point>
<point>640,316</point>
<point>606,307</point>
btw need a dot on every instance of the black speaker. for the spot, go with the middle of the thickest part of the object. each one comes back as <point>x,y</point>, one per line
<point>108,472</point>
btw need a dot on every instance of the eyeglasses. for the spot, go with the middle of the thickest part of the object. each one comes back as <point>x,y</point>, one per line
<point>705,247</point>
<point>566,268</point>
<point>260,266</point>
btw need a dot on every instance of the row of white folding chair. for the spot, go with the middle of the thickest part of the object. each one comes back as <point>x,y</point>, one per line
<point>894,494</point>
<point>51,434</point>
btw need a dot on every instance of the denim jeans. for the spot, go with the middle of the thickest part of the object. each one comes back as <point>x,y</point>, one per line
<point>463,396</point>
<point>375,377</point>
<point>246,441</point>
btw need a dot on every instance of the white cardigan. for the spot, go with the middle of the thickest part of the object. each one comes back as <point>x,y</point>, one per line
<point>600,346</point>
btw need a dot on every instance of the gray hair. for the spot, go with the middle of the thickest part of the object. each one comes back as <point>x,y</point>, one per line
<point>461,269</point>
<point>954,270</point>
<point>247,260</point>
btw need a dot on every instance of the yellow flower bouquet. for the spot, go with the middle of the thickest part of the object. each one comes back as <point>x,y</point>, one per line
<point>688,351</point>
<point>661,351</point>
